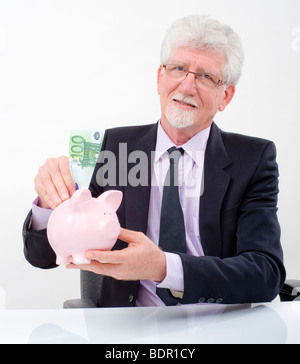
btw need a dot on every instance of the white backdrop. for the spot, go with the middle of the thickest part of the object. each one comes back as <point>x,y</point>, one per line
<point>93,63</point>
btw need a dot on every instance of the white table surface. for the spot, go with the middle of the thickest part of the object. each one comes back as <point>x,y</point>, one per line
<point>263,323</point>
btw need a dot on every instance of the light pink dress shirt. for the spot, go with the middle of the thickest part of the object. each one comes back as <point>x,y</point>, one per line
<point>190,173</point>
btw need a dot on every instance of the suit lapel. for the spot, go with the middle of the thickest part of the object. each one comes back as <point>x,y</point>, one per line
<point>216,182</point>
<point>137,198</point>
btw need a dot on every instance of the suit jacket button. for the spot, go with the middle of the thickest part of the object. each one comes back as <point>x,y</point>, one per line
<point>131,298</point>
<point>201,300</point>
<point>211,300</point>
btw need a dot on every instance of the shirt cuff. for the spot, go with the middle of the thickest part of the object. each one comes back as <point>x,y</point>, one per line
<point>40,216</point>
<point>175,277</point>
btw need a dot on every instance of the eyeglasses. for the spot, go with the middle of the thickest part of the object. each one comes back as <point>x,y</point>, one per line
<point>179,73</point>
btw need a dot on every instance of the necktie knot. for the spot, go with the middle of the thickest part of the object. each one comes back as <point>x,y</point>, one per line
<point>175,154</point>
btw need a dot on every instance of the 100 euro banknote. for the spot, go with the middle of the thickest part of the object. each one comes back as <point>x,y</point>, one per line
<point>84,149</point>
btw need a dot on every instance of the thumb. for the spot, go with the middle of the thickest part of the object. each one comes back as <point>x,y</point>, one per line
<point>129,236</point>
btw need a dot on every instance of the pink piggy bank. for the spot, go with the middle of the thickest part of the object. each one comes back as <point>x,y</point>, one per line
<point>84,223</point>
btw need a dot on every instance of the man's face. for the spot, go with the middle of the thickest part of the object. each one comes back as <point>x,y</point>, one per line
<point>187,104</point>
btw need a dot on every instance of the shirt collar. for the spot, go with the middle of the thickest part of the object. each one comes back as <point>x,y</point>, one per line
<point>191,147</point>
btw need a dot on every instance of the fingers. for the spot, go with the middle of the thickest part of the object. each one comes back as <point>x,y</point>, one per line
<point>142,259</point>
<point>64,167</point>
<point>54,183</point>
<point>132,238</point>
<point>100,265</point>
<point>111,270</point>
<point>106,257</point>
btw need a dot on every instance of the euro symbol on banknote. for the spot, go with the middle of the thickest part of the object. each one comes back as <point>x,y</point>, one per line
<point>84,149</point>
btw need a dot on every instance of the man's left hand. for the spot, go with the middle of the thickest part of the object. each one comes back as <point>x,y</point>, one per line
<point>141,260</point>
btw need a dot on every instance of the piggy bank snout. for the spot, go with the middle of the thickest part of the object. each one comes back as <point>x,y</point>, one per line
<point>111,228</point>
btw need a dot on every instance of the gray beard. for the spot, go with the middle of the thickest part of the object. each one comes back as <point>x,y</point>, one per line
<point>179,118</point>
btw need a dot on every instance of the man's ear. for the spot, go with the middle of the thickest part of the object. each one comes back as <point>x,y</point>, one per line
<point>159,75</point>
<point>229,92</point>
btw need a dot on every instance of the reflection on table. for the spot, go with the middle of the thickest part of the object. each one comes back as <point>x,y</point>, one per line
<point>192,324</point>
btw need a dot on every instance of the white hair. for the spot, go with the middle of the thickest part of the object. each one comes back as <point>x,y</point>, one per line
<point>205,33</point>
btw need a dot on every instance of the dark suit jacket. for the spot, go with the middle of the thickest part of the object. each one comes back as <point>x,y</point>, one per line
<point>239,228</point>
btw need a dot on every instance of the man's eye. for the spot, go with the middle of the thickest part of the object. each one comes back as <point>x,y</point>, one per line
<point>208,77</point>
<point>179,69</point>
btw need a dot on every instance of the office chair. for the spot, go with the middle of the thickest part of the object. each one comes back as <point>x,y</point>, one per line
<point>90,285</point>
<point>290,291</point>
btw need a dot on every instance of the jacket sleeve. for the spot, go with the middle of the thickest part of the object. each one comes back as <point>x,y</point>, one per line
<point>37,249</point>
<point>256,273</point>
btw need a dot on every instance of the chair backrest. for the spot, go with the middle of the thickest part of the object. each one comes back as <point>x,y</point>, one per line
<point>90,285</point>
<point>290,291</point>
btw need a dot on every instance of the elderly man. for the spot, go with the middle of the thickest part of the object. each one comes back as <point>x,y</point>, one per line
<point>220,243</point>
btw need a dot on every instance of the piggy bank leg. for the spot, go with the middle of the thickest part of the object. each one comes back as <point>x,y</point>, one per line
<point>80,259</point>
<point>62,260</point>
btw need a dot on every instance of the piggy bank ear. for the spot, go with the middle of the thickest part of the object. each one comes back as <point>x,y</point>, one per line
<point>79,197</point>
<point>112,198</point>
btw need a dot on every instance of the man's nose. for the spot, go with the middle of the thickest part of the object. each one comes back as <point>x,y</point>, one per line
<point>188,85</point>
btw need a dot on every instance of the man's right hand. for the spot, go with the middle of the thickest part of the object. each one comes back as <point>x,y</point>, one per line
<point>54,183</point>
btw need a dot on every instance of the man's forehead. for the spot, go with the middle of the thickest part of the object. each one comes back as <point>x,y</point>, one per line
<point>198,57</point>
